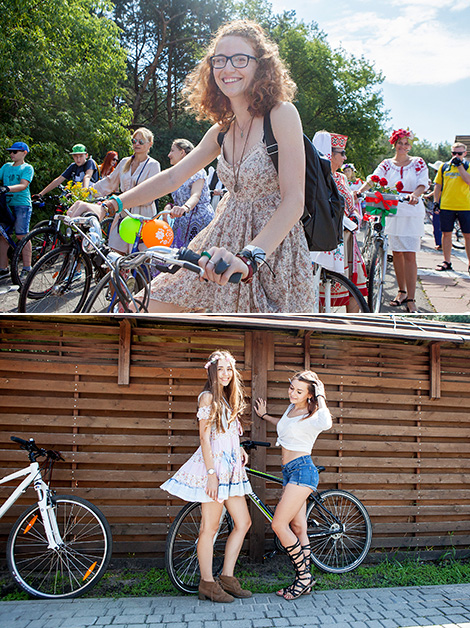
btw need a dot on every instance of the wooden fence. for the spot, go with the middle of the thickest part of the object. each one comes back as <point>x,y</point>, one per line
<point>118,398</point>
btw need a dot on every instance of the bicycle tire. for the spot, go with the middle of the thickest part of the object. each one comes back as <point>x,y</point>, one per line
<point>51,286</point>
<point>79,562</point>
<point>101,300</point>
<point>377,272</point>
<point>346,550</point>
<point>181,561</point>
<point>43,239</point>
<point>341,283</point>
<point>458,241</point>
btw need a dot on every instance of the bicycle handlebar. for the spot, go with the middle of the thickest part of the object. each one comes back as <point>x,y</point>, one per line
<point>253,444</point>
<point>34,451</point>
<point>170,260</point>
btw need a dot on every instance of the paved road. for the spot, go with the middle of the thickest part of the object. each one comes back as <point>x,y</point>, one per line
<point>437,292</point>
<point>433,606</point>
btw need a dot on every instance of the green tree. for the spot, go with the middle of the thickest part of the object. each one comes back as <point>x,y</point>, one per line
<point>61,67</point>
<point>164,39</point>
<point>337,92</point>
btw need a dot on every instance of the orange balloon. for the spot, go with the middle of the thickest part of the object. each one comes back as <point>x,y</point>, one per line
<point>157,233</point>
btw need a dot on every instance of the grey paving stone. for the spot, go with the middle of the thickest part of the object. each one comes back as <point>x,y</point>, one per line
<point>260,623</point>
<point>129,619</point>
<point>280,621</point>
<point>390,623</point>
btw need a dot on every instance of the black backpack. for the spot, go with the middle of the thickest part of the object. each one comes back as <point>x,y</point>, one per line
<point>324,206</point>
<point>7,220</point>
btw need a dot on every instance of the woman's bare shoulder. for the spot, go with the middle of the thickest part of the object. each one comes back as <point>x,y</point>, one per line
<point>205,398</point>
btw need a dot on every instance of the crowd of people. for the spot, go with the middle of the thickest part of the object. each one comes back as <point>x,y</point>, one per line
<point>246,212</point>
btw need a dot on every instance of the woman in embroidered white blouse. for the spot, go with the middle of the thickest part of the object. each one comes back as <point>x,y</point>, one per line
<point>298,428</point>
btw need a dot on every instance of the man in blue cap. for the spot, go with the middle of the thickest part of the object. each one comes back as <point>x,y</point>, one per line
<point>83,170</point>
<point>16,177</point>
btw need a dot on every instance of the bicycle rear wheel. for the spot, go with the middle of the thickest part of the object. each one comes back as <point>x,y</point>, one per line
<point>181,547</point>
<point>43,239</point>
<point>458,241</point>
<point>76,565</point>
<point>58,283</point>
<point>105,299</point>
<point>337,292</point>
<point>377,272</point>
<point>340,536</point>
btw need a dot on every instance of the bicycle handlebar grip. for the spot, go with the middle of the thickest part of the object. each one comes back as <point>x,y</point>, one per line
<point>221,266</point>
<point>25,444</point>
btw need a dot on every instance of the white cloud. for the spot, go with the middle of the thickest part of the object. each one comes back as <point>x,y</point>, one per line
<point>409,42</point>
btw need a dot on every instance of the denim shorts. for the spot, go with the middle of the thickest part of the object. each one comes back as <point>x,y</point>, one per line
<point>300,471</point>
<point>22,214</point>
<point>448,217</point>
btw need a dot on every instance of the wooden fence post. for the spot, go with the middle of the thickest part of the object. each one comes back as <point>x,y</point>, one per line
<point>124,359</point>
<point>259,388</point>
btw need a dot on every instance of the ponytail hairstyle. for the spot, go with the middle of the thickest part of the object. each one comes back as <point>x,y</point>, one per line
<point>233,393</point>
<point>310,378</point>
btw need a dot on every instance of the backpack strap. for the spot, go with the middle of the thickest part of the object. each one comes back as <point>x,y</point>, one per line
<point>271,145</point>
<point>220,138</point>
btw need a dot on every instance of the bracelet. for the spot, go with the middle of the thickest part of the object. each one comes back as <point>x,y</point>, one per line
<point>265,414</point>
<point>188,208</point>
<point>252,267</point>
<point>119,203</point>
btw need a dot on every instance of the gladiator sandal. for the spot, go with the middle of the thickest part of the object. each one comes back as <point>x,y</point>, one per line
<point>303,579</point>
<point>308,560</point>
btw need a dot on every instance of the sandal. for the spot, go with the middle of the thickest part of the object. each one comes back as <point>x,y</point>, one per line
<point>415,311</point>
<point>308,560</point>
<point>444,266</point>
<point>299,586</point>
<point>396,301</point>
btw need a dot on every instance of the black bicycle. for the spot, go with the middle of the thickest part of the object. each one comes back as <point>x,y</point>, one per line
<point>339,530</point>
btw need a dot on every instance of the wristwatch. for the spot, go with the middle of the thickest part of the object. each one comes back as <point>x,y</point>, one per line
<point>210,471</point>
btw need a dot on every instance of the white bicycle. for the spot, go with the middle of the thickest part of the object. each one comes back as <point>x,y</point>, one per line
<point>60,547</point>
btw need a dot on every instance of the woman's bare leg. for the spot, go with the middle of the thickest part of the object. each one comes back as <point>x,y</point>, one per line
<point>238,510</point>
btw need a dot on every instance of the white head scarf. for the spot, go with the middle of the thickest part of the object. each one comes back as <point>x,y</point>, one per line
<point>322,142</point>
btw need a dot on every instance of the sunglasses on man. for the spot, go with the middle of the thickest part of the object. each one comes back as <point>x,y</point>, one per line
<point>457,152</point>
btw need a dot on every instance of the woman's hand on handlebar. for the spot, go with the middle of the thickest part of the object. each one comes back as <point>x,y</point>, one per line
<point>80,207</point>
<point>177,211</point>
<point>235,265</point>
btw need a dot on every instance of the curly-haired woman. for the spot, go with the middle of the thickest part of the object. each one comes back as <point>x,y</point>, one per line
<point>239,80</point>
<point>405,229</point>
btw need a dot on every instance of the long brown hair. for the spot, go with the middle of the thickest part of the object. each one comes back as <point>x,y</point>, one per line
<point>271,84</point>
<point>233,393</point>
<point>310,378</point>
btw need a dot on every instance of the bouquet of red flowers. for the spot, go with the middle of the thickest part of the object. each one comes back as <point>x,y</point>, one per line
<point>381,199</point>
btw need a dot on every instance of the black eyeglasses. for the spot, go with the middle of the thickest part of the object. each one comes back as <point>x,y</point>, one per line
<point>238,61</point>
<point>340,152</point>
<point>457,152</point>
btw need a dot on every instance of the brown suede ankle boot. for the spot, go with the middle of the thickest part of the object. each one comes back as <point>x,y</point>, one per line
<point>213,591</point>
<point>232,586</point>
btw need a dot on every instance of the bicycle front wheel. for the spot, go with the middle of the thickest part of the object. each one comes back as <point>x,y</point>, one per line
<point>79,561</point>
<point>43,239</point>
<point>181,547</point>
<point>58,283</point>
<point>105,299</point>
<point>377,272</point>
<point>339,294</point>
<point>340,533</point>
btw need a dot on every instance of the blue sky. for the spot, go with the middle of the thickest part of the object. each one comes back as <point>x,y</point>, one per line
<point>422,47</point>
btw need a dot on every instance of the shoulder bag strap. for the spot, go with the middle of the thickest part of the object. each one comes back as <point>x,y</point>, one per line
<point>271,145</point>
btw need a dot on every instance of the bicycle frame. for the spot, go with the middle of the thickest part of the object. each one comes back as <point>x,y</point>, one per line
<point>269,513</point>
<point>8,238</point>
<point>46,508</point>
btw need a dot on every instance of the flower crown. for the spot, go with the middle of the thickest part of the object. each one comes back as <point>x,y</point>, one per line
<point>215,358</point>
<point>396,135</point>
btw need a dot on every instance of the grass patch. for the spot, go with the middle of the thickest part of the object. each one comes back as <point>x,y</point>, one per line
<point>275,574</point>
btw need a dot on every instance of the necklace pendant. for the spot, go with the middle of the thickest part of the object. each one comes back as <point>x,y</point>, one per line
<point>241,134</point>
<point>236,187</point>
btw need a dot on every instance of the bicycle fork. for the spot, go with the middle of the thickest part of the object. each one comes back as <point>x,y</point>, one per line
<point>48,515</point>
